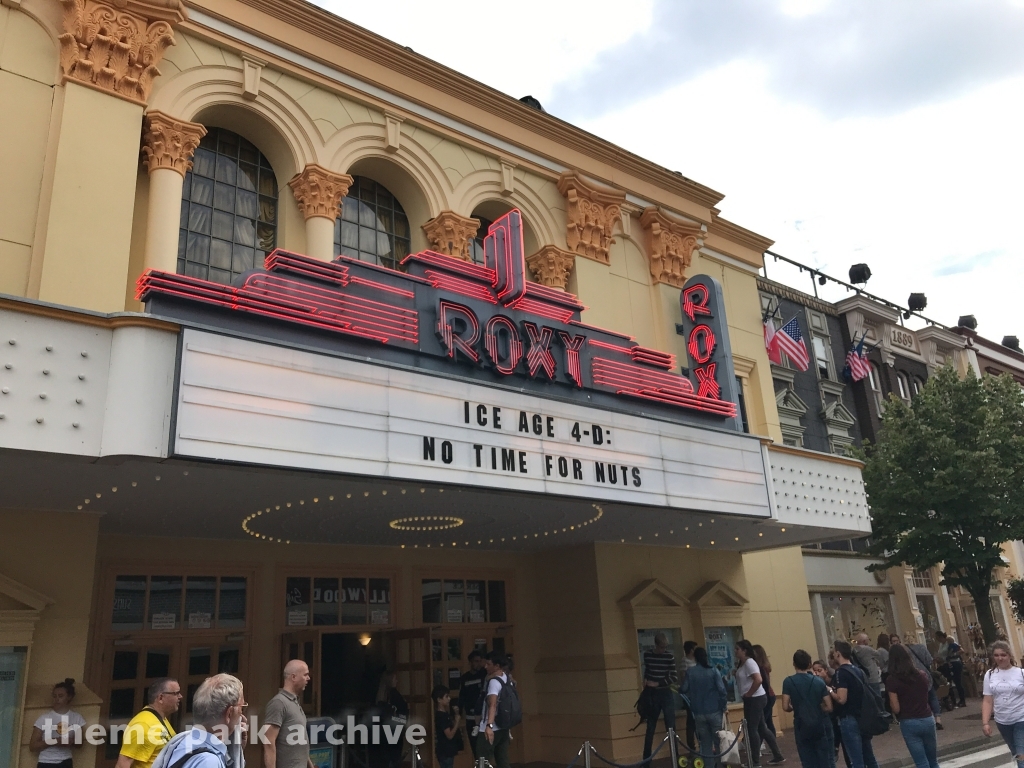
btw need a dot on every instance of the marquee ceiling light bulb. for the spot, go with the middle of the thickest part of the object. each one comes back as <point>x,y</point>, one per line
<point>134,484</point>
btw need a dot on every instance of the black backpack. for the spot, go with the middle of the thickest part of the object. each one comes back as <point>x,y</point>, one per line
<point>509,711</point>
<point>646,707</point>
<point>873,719</point>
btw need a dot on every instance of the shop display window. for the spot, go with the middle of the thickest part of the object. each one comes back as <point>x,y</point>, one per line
<point>847,615</point>
<point>720,643</point>
<point>161,603</point>
<point>12,671</point>
<point>460,601</point>
<point>330,601</point>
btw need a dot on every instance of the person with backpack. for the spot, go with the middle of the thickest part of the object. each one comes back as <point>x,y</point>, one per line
<point>215,739</point>
<point>149,731</point>
<point>848,697</point>
<point>659,675</point>
<point>952,666</point>
<point>806,696</point>
<point>500,711</point>
<point>1003,698</point>
<point>907,687</point>
<point>704,688</point>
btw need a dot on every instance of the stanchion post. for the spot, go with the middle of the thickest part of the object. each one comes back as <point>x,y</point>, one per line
<point>673,748</point>
<point>586,754</point>
<point>746,741</point>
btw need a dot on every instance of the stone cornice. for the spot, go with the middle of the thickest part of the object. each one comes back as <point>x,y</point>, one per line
<point>737,234</point>
<point>797,297</point>
<point>671,245</point>
<point>169,143</point>
<point>315,21</point>
<point>552,266</point>
<point>449,233</point>
<point>591,213</point>
<point>872,310</point>
<point>115,46</point>
<point>319,191</point>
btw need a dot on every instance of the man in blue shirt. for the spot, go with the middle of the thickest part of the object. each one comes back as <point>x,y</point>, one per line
<point>808,698</point>
<point>216,740</point>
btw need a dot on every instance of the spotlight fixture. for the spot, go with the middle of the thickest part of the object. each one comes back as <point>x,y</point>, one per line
<point>917,302</point>
<point>860,274</point>
<point>968,321</point>
<point>1012,342</point>
<point>821,279</point>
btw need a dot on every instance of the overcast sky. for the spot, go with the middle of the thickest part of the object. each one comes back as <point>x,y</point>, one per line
<point>889,132</point>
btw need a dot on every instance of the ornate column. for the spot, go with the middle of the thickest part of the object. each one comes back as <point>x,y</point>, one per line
<point>449,233</point>
<point>116,46</point>
<point>551,266</point>
<point>590,215</point>
<point>168,145</point>
<point>671,246</point>
<point>318,193</point>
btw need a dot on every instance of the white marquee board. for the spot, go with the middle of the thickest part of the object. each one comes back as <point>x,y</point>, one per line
<point>245,401</point>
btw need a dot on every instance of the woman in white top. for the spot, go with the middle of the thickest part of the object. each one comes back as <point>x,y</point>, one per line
<point>748,683</point>
<point>1003,691</point>
<point>58,731</point>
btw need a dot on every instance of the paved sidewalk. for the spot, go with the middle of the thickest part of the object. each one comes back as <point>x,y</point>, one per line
<point>962,733</point>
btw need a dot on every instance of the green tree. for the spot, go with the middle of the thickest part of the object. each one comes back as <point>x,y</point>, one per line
<point>946,481</point>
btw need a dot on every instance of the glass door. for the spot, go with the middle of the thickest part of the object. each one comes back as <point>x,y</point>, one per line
<point>201,659</point>
<point>305,646</point>
<point>130,668</point>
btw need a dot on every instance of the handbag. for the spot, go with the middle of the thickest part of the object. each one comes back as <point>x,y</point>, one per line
<point>728,745</point>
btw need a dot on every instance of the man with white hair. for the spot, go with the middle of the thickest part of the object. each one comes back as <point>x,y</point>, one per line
<point>215,740</point>
<point>866,658</point>
<point>286,744</point>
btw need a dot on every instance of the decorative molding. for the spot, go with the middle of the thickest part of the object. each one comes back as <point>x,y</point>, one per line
<point>319,191</point>
<point>252,73</point>
<point>508,179</point>
<point>393,132</point>
<point>671,245</point>
<point>591,214</point>
<point>791,411</point>
<point>15,4</point>
<point>552,266</point>
<point>169,143</point>
<point>449,233</point>
<point>30,598</point>
<point>838,421</point>
<point>115,47</point>
<point>797,297</point>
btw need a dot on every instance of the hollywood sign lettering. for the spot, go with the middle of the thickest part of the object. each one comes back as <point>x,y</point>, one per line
<point>488,320</point>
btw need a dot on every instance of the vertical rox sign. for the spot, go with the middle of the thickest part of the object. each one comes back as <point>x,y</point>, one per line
<point>486,321</point>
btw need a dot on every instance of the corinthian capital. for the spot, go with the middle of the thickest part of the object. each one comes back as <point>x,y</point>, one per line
<point>449,233</point>
<point>170,143</point>
<point>590,215</point>
<point>551,266</point>
<point>319,191</point>
<point>672,245</point>
<point>115,46</point>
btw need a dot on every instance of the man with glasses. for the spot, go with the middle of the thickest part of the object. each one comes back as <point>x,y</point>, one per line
<point>149,731</point>
<point>218,736</point>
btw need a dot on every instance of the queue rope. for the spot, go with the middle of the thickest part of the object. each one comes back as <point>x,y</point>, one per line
<point>629,765</point>
<point>680,742</point>
<point>577,758</point>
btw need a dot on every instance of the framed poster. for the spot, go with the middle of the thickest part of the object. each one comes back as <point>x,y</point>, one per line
<point>720,642</point>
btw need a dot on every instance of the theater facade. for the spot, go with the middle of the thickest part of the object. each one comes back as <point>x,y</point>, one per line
<point>314,348</point>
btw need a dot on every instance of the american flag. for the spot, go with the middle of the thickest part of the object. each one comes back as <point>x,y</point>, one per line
<point>859,367</point>
<point>789,340</point>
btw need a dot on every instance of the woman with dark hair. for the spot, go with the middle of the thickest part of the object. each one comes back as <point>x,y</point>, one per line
<point>749,683</point>
<point>704,688</point>
<point>59,731</point>
<point>1003,696</point>
<point>883,653</point>
<point>761,657</point>
<point>907,687</point>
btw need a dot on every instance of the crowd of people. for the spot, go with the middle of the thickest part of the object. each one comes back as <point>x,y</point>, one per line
<point>838,704</point>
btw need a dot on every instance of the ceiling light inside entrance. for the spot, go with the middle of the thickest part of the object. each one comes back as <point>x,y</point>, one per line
<point>426,523</point>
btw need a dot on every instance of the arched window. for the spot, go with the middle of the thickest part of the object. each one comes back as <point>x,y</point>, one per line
<point>875,381</point>
<point>476,245</point>
<point>373,226</point>
<point>916,384</point>
<point>228,209</point>
<point>904,386</point>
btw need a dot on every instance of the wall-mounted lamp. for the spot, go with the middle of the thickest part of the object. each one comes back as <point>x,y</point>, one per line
<point>364,639</point>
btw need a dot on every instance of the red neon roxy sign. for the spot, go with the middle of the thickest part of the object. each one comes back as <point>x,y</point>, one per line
<point>488,319</point>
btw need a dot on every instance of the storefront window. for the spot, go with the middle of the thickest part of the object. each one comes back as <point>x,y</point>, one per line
<point>297,601</point>
<point>380,601</point>
<point>129,603</point>
<point>228,209</point>
<point>200,601</point>
<point>353,601</point>
<point>232,602</point>
<point>325,602</point>
<point>847,615</point>
<point>720,642</point>
<point>165,602</point>
<point>373,226</point>
<point>457,601</point>
<point>12,670</point>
